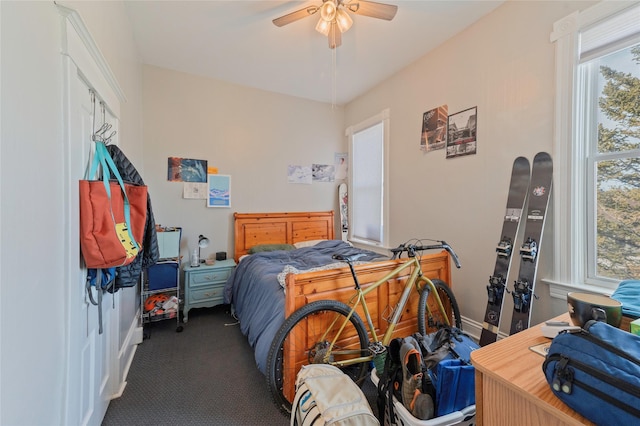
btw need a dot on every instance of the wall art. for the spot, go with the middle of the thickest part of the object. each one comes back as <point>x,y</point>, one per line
<point>323,172</point>
<point>219,191</point>
<point>434,129</point>
<point>462,132</point>
<point>186,170</point>
<point>299,174</point>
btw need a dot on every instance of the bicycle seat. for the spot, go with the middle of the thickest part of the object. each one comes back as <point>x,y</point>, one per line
<point>348,259</point>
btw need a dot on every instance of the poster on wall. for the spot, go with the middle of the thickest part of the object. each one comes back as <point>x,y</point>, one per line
<point>341,164</point>
<point>434,129</point>
<point>462,129</point>
<point>323,172</point>
<point>219,191</point>
<point>186,170</point>
<point>194,190</point>
<point>299,174</point>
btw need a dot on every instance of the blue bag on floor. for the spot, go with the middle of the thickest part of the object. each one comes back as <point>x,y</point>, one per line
<point>455,386</point>
<point>446,343</point>
<point>596,371</point>
<point>447,356</point>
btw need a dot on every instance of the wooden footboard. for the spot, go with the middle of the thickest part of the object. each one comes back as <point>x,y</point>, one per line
<point>337,284</point>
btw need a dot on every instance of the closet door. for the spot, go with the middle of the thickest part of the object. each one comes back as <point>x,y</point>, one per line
<point>92,370</point>
<point>97,369</point>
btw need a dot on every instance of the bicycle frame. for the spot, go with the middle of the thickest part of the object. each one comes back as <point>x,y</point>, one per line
<point>359,298</point>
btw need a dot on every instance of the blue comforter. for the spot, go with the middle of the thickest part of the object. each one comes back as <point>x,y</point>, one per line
<point>258,297</point>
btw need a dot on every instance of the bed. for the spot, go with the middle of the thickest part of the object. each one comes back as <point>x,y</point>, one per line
<point>265,287</point>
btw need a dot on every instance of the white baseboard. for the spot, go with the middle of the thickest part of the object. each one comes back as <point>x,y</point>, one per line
<point>474,329</point>
<point>138,335</point>
<point>126,354</point>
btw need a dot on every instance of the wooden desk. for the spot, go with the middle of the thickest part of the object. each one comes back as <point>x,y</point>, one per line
<point>511,388</point>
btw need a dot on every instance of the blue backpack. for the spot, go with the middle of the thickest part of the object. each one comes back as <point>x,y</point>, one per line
<point>596,371</point>
<point>447,356</point>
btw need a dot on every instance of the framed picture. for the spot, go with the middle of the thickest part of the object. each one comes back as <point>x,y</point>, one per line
<point>462,128</point>
<point>219,191</point>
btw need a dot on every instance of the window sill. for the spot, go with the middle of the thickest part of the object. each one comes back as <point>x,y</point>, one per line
<point>559,290</point>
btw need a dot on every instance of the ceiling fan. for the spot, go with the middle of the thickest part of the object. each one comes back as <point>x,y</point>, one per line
<point>334,16</point>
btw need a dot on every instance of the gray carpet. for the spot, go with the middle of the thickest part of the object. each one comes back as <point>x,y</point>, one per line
<point>205,375</point>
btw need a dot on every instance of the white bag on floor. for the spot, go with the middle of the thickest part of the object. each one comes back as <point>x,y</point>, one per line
<point>327,396</point>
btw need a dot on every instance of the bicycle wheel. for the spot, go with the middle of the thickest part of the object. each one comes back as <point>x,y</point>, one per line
<point>304,338</point>
<point>429,316</point>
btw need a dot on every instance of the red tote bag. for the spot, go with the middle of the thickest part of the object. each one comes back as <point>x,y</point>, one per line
<point>112,215</point>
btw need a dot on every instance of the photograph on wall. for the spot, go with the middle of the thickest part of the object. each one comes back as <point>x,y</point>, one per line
<point>341,164</point>
<point>186,170</point>
<point>299,174</point>
<point>434,129</point>
<point>461,138</point>
<point>322,172</point>
<point>219,191</point>
<point>194,190</point>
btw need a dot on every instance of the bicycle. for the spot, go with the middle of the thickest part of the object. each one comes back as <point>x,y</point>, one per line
<point>332,332</point>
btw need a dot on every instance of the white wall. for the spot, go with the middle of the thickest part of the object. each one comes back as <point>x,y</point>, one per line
<point>32,298</point>
<point>249,134</point>
<point>32,219</point>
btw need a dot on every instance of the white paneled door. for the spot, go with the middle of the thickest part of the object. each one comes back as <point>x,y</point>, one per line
<point>92,370</point>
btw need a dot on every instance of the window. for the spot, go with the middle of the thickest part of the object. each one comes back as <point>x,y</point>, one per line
<point>597,148</point>
<point>368,213</point>
<point>612,138</point>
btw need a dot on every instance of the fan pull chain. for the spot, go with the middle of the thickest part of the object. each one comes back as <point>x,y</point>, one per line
<point>334,77</point>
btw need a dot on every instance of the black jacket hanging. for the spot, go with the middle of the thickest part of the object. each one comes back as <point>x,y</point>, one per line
<point>129,275</point>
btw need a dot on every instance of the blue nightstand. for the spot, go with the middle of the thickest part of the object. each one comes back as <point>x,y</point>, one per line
<point>204,285</point>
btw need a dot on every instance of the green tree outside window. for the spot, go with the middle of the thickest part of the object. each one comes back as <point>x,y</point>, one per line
<point>618,176</point>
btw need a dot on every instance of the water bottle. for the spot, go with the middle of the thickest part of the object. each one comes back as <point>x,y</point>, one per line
<point>195,260</point>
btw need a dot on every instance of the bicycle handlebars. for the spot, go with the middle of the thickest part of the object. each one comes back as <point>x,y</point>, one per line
<point>411,250</point>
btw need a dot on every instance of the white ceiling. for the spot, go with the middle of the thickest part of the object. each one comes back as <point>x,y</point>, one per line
<point>236,41</point>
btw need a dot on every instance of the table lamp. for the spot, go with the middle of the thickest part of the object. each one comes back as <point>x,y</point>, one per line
<point>203,242</point>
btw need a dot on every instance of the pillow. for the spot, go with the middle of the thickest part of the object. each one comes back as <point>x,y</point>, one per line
<point>308,243</point>
<point>270,247</point>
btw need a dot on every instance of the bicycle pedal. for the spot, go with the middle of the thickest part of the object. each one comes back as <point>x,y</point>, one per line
<point>377,348</point>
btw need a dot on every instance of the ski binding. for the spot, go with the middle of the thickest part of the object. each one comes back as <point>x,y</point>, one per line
<point>496,283</point>
<point>522,296</point>
<point>504,247</point>
<point>529,249</point>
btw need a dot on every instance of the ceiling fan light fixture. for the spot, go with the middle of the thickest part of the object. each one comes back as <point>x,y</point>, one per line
<point>323,27</point>
<point>335,16</point>
<point>343,20</point>
<point>328,10</point>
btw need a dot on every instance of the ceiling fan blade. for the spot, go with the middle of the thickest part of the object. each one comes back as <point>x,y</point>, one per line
<point>373,9</point>
<point>335,36</point>
<point>294,16</point>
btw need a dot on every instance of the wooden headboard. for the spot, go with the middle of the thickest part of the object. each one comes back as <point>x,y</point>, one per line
<point>252,229</point>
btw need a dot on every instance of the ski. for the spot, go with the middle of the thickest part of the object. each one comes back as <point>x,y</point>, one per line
<point>538,201</point>
<point>518,188</point>
<point>344,217</point>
